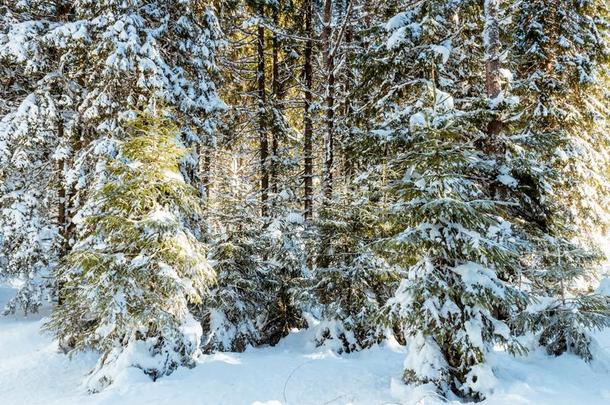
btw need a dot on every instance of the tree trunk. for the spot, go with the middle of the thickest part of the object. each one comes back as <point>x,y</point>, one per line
<point>206,177</point>
<point>61,193</point>
<point>64,208</point>
<point>492,65</point>
<point>329,62</point>
<point>262,127</point>
<point>62,221</point>
<point>307,122</point>
<point>348,110</point>
<point>275,88</point>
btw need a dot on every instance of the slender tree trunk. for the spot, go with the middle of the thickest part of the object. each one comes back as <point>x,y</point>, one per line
<point>70,226</point>
<point>262,127</point>
<point>61,193</point>
<point>62,219</point>
<point>275,88</point>
<point>348,110</point>
<point>329,61</point>
<point>491,39</point>
<point>307,122</point>
<point>492,64</point>
<point>493,147</point>
<point>65,209</point>
<point>206,177</point>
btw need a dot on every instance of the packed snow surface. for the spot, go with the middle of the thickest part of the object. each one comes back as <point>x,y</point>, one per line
<point>33,371</point>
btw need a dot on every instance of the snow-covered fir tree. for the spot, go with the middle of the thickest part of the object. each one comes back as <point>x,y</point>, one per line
<point>35,127</point>
<point>444,227</point>
<point>137,268</point>
<point>233,312</point>
<point>90,65</point>
<point>355,282</point>
<point>287,273</point>
<point>454,242</point>
<point>505,162</point>
<point>231,317</point>
<point>557,158</point>
<point>130,54</point>
<point>431,172</point>
<point>30,241</point>
<point>565,312</point>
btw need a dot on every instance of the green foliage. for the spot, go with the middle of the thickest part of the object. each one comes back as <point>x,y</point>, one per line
<point>565,324</point>
<point>457,220</point>
<point>351,282</point>
<point>233,312</point>
<point>455,243</point>
<point>561,57</point>
<point>137,266</point>
<point>557,152</point>
<point>286,275</point>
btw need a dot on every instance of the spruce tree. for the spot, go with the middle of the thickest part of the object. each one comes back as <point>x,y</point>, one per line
<point>351,289</point>
<point>36,107</point>
<point>138,267</point>
<point>557,159</point>
<point>88,66</point>
<point>29,245</point>
<point>232,315</point>
<point>565,314</point>
<point>444,226</point>
<point>455,243</point>
<point>287,274</point>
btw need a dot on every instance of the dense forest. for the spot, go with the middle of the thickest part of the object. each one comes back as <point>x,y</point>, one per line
<point>181,177</point>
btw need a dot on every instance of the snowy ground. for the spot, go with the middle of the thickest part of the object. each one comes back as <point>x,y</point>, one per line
<point>32,371</point>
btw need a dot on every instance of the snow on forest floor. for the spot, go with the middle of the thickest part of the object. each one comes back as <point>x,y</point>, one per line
<point>33,371</point>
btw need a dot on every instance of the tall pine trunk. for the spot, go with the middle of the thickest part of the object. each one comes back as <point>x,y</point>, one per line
<point>62,201</point>
<point>348,108</point>
<point>307,121</point>
<point>275,88</point>
<point>492,66</point>
<point>329,62</point>
<point>262,125</point>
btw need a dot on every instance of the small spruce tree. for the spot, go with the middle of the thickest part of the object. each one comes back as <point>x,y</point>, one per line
<point>232,313</point>
<point>444,226</point>
<point>454,243</point>
<point>285,259</point>
<point>355,282</point>
<point>137,268</point>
